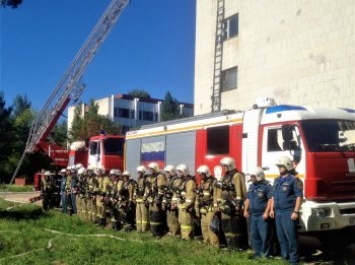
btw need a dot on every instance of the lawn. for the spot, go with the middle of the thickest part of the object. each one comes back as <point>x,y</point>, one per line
<point>29,236</point>
<point>15,188</point>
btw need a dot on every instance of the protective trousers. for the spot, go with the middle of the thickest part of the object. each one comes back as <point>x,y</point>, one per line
<point>91,212</point>
<point>209,237</point>
<point>187,227</point>
<point>260,235</point>
<point>235,231</point>
<point>73,202</point>
<point>100,210</point>
<point>156,220</point>
<point>173,222</point>
<point>286,229</point>
<point>79,205</point>
<point>142,217</point>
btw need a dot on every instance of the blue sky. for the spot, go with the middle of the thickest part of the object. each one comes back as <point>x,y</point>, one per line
<point>151,47</point>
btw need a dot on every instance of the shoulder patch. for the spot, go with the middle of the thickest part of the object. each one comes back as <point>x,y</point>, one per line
<point>299,183</point>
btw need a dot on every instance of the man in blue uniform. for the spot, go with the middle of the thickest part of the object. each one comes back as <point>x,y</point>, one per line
<point>286,203</point>
<point>257,208</point>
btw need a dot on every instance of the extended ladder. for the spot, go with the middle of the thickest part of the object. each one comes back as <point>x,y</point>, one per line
<point>69,87</point>
<point>218,54</point>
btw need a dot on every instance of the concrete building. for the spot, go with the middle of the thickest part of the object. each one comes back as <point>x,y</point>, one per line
<point>130,112</point>
<point>295,51</point>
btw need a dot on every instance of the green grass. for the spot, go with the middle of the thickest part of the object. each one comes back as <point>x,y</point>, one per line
<point>28,236</point>
<point>15,188</point>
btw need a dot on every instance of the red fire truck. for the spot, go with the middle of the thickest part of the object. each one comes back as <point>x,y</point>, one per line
<point>321,143</point>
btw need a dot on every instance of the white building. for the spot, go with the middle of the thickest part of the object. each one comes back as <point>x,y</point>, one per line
<point>295,51</point>
<point>130,112</point>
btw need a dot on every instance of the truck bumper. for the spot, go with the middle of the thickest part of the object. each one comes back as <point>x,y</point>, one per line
<point>326,216</point>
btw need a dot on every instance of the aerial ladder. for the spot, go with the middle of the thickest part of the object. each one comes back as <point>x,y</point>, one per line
<point>70,86</point>
<point>218,55</point>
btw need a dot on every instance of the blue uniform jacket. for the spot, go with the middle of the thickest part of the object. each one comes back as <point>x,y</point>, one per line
<point>259,194</point>
<point>285,192</point>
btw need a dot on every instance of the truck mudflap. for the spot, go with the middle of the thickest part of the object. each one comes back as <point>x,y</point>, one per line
<point>319,216</point>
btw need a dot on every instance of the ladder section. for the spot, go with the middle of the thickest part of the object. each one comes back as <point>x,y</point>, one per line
<point>69,87</point>
<point>218,53</point>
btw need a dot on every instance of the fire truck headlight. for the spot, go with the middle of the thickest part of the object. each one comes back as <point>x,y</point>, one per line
<point>321,212</point>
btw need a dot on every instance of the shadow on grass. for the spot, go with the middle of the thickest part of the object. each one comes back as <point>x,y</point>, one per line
<point>21,212</point>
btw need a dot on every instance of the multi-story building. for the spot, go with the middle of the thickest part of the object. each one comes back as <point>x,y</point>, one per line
<point>130,112</point>
<point>295,51</point>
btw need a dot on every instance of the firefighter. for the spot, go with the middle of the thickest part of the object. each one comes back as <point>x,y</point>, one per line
<point>257,209</point>
<point>286,202</point>
<point>47,190</point>
<point>156,183</point>
<point>80,191</point>
<point>230,195</point>
<point>63,188</point>
<point>186,202</point>
<point>101,189</point>
<point>90,195</point>
<point>71,188</point>
<point>126,195</point>
<point>111,200</point>
<point>170,200</point>
<point>204,205</point>
<point>142,207</point>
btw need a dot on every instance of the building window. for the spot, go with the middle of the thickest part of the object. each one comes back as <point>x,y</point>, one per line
<point>123,113</point>
<point>146,115</point>
<point>218,140</point>
<point>131,114</point>
<point>115,112</point>
<point>229,79</point>
<point>230,26</point>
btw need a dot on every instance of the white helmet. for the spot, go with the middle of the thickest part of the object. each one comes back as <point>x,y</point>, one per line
<point>79,165</point>
<point>154,167</point>
<point>258,173</point>
<point>68,168</point>
<point>170,169</point>
<point>63,170</point>
<point>115,172</point>
<point>183,169</point>
<point>204,169</point>
<point>229,162</point>
<point>82,171</point>
<point>90,167</point>
<point>126,173</point>
<point>47,173</point>
<point>286,162</point>
<point>141,169</point>
<point>99,170</point>
<point>73,169</point>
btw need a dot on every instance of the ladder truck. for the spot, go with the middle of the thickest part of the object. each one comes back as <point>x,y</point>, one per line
<point>69,89</point>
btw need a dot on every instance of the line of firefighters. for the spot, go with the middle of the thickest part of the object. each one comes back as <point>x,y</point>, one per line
<point>170,201</point>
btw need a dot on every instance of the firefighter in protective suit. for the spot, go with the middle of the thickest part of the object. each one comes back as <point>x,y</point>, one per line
<point>156,183</point>
<point>142,208</point>
<point>204,203</point>
<point>186,202</point>
<point>80,193</point>
<point>47,190</point>
<point>101,190</point>
<point>170,200</point>
<point>230,194</point>
<point>257,208</point>
<point>127,205</point>
<point>89,194</point>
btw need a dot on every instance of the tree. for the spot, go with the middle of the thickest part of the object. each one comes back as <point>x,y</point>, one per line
<point>170,109</point>
<point>91,124</point>
<point>60,133</point>
<point>20,104</point>
<point>5,134</point>
<point>11,3</point>
<point>139,93</point>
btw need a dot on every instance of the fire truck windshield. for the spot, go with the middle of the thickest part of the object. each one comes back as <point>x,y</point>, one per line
<point>329,135</point>
<point>113,146</point>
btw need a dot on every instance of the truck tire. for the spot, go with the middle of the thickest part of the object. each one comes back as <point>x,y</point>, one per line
<point>336,240</point>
